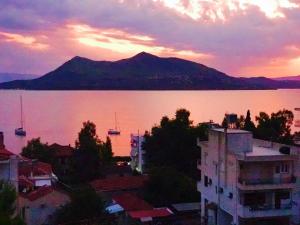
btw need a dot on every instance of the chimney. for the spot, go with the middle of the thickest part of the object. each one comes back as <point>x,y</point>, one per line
<point>2,140</point>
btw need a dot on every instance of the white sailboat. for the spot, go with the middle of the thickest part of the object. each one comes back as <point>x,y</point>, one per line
<point>114,131</point>
<point>21,131</point>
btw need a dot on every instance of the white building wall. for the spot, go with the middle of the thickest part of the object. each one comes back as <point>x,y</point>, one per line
<point>215,155</point>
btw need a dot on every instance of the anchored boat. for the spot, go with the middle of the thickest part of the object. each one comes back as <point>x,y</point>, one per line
<point>21,131</point>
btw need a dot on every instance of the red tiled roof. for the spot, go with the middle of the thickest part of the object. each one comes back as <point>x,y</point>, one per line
<point>154,213</point>
<point>62,150</point>
<point>119,183</point>
<point>5,154</point>
<point>38,193</point>
<point>37,168</point>
<point>130,202</point>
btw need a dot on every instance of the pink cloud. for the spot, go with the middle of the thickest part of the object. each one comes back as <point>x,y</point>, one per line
<point>237,37</point>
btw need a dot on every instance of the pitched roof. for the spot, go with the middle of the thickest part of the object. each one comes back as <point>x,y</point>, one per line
<point>37,168</point>
<point>119,183</point>
<point>130,202</point>
<point>5,154</point>
<point>153,213</point>
<point>38,193</point>
<point>62,150</point>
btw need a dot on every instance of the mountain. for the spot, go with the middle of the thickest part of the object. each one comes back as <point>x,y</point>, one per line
<point>143,71</point>
<point>296,78</point>
<point>4,77</point>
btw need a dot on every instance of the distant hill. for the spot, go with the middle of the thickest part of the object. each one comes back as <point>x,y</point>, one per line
<point>296,78</point>
<point>4,77</point>
<point>141,72</point>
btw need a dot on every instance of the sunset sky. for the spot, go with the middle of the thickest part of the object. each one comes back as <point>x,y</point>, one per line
<point>238,37</point>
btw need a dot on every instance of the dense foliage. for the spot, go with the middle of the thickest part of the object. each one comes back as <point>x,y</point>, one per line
<point>174,144</point>
<point>167,186</point>
<point>35,149</point>
<point>275,127</point>
<point>85,206</point>
<point>90,154</point>
<point>7,205</point>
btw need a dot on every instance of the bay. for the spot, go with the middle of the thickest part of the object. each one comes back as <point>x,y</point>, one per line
<point>57,116</point>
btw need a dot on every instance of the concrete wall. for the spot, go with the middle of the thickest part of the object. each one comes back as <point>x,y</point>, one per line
<point>39,211</point>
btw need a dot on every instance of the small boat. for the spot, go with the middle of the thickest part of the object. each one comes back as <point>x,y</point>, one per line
<point>21,131</point>
<point>297,109</point>
<point>114,131</point>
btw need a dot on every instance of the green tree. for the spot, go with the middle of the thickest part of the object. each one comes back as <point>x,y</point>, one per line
<point>106,153</point>
<point>87,162</point>
<point>249,125</point>
<point>167,186</point>
<point>7,205</point>
<point>85,205</point>
<point>276,127</point>
<point>35,149</point>
<point>174,144</point>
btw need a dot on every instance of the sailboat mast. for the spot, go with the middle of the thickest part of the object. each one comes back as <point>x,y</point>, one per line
<point>21,102</point>
<point>115,121</point>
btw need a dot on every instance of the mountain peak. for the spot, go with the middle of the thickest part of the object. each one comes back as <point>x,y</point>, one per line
<point>144,55</point>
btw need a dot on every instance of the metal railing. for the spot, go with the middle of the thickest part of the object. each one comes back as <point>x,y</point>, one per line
<point>270,207</point>
<point>287,180</point>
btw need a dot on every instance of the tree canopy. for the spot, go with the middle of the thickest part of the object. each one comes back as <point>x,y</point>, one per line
<point>35,149</point>
<point>85,205</point>
<point>90,154</point>
<point>174,144</point>
<point>168,186</point>
<point>275,127</point>
<point>7,205</point>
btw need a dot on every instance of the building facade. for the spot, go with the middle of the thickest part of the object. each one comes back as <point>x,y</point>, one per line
<point>137,153</point>
<point>8,164</point>
<point>247,181</point>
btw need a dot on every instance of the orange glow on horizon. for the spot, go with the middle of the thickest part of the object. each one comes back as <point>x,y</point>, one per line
<point>127,43</point>
<point>27,41</point>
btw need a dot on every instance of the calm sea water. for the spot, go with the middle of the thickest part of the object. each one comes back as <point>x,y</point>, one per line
<point>57,116</point>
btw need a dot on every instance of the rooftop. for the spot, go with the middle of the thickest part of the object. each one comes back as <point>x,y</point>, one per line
<point>62,150</point>
<point>36,168</point>
<point>231,131</point>
<point>153,213</point>
<point>131,202</point>
<point>38,193</point>
<point>189,206</point>
<point>264,151</point>
<point>119,183</point>
<point>5,154</point>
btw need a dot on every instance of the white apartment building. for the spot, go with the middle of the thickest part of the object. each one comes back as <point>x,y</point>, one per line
<point>137,152</point>
<point>248,181</point>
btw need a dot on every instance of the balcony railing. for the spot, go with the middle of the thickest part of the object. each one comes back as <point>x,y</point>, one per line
<point>286,180</point>
<point>264,210</point>
<point>269,207</point>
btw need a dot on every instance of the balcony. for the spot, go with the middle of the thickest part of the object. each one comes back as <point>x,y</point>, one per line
<point>270,183</point>
<point>264,210</point>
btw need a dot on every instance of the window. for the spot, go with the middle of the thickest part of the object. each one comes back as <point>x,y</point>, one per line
<point>221,190</point>
<point>216,169</point>
<point>230,195</point>
<point>282,168</point>
<point>205,181</point>
<point>210,181</point>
